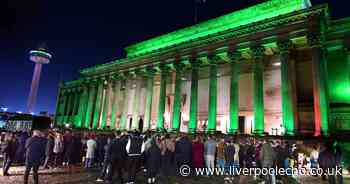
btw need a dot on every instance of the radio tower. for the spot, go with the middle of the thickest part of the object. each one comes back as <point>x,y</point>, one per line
<point>39,56</point>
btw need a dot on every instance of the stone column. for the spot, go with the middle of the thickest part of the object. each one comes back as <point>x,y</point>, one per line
<point>212,106</point>
<point>90,104</point>
<point>288,91</point>
<point>234,91</point>
<point>98,104</point>
<point>115,102</point>
<point>76,93</point>
<point>319,73</point>
<point>136,105</point>
<point>162,98</point>
<point>149,96</point>
<point>177,97</point>
<point>106,105</point>
<point>258,98</point>
<point>60,105</point>
<point>125,108</point>
<point>68,106</point>
<point>76,101</point>
<point>84,97</point>
<point>194,95</point>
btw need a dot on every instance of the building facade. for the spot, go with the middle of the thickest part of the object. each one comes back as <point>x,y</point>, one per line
<point>280,67</point>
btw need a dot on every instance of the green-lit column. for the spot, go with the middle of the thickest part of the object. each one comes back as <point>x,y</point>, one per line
<point>136,105</point>
<point>288,92</point>
<point>234,91</point>
<point>83,100</point>
<point>75,106</point>
<point>149,95</point>
<point>177,97</point>
<point>212,107</point>
<point>115,103</point>
<point>194,96</point>
<point>64,105</point>
<point>258,87</point>
<point>106,105</point>
<point>319,73</point>
<point>162,98</point>
<point>98,104</point>
<point>68,106</point>
<point>125,108</point>
<point>90,105</point>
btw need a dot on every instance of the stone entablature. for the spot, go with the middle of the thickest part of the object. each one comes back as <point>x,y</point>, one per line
<point>101,94</point>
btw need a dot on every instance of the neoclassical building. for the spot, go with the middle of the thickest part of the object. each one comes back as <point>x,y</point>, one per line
<point>280,67</point>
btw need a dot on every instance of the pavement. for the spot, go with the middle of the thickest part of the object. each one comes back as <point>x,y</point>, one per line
<point>83,176</point>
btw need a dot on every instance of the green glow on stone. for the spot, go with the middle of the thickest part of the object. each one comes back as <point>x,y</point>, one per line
<point>76,108</point>
<point>105,109</point>
<point>177,101</point>
<point>338,77</point>
<point>286,94</point>
<point>115,102</point>
<point>234,97</point>
<point>212,98</point>
<point>123,118</point>
<point>97,110</point>
<point>161,107</point>
<point>90,106</point>
<point>194,101</point>
<point>148,108</point>
<point>136,106</point>
<point>233,20</point>
<point>82,108</point>
<point>258,98</point>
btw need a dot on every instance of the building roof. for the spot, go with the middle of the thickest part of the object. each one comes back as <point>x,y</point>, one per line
<point>269,9</point>
<point>231,21</point>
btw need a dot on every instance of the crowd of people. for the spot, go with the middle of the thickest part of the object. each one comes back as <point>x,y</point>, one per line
<point>159,155</point>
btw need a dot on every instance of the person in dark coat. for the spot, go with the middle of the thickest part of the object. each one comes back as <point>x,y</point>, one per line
<point>153,160</point>
<point>74,152</point>
<point>338,160</point>
<point>106,161</point>
<point>21,142</point>
<point>100,150</point>
<point>116,153</point>
<point>9,151</point>
<point>327,161</point>
<point>35,154</point>
<point>197,153</point>
<point>67,138</point>
<point>183,151</point>
<point>49,150</point>
<point>167,147</point>
<point>134,148</point>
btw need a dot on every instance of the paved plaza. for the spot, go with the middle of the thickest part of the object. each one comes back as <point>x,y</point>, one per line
<point>82,176</point>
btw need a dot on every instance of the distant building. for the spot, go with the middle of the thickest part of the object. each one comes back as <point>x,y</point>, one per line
<point>280,67</point>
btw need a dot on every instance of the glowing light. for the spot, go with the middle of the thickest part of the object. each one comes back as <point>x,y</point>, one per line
<point>185,117</point>
<point>167,117</point>
<point>4,109</point>
<point>19,112</point>
<point>276,64</point>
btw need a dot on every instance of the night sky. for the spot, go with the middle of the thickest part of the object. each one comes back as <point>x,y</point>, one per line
<point>80,34</point>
